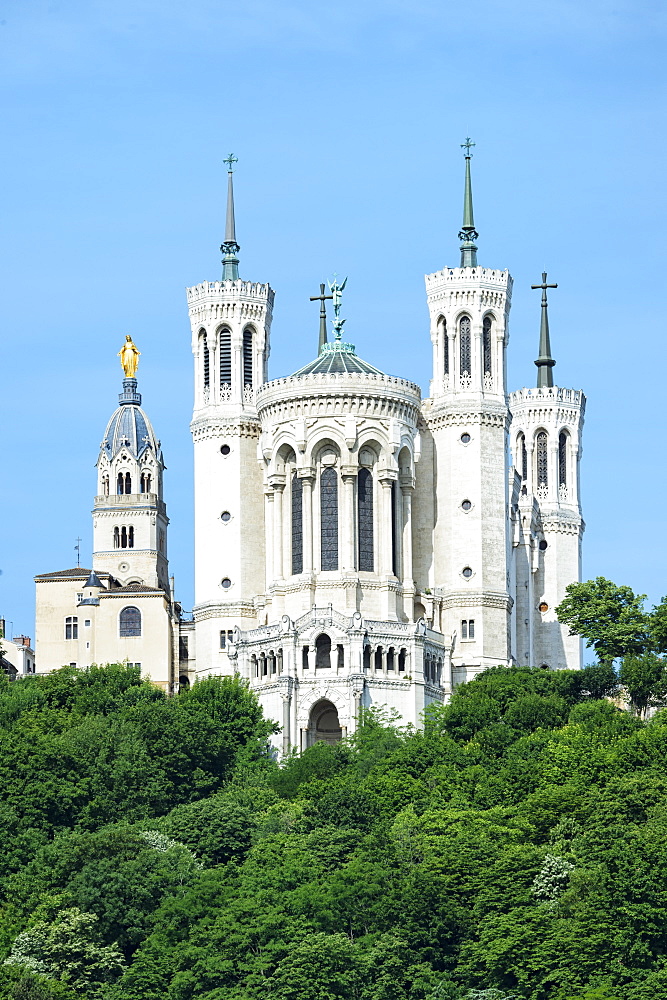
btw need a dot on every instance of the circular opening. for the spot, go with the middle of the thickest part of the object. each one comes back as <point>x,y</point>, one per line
<point>225,516</point>
<point>544,666</point>
<point>225,450</point>
<point>544,607</point>
<point>465,438</point>
<point>543,545</point>
<point>467,572</point>
<point>466,505</point>
<point>226,583</point>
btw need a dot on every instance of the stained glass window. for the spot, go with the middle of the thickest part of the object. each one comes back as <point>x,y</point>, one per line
<point>524,457</point>
<point>562,459</point>
<point>297,524</point>
<point>225,358</point>
<point>465,348</point>
<point>445,343</point>
<point>130,621</point>
<point>365,511</point>
<point>542,460</point>
<point>486,344</point>
<point>247,357</point>
<point>203,342</point>
<point>329,518</point>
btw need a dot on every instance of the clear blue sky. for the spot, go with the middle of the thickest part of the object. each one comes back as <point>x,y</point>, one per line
<point>347,119</point>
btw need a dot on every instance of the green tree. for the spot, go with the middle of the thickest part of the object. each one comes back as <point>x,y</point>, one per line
<point>611,618</point>
<point>645,680</point>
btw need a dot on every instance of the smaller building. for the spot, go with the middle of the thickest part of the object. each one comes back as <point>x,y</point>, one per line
<point>17,657</point>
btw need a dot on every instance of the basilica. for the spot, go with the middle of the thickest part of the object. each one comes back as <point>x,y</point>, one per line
<point>355,544</point>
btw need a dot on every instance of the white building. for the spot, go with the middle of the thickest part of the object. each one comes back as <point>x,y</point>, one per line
<point>355,545</point>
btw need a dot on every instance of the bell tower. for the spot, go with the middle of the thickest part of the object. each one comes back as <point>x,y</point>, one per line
<point>230,321</point>
<point>467,421</point>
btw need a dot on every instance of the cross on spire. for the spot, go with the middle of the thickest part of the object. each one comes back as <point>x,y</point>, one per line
<point>467,145</point>
<point>230,161</point>
<point>77,549</point>
<point>468,234</point>
<point>545,362</point>
<point>230,248</point>
<point>321,298</point>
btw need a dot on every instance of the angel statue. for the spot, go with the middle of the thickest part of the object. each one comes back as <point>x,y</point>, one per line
<point>129,357</point>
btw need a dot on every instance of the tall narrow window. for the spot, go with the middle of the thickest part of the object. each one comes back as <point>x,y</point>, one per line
<point>394,533</point>
<point>247,357</point>
<point>542,459</point>
<point>329,518</point>
<point>204,352</point>
<point>562,459</point>
<point>464,629</point>
<point>116,538</point>
<point>120,482</point>
<point>130,622</point>
<point>365,519</point>
<point>442,324</point>
<point>297,524</point>
<point>523,457</point>
<point>225,359</point>
<point>72,627</point>
<point>105,485</point>
<point>128,483</point>
<point>123,537</point>
<point>130,537</point>
<point>465,347</point>
<point>486,344</point>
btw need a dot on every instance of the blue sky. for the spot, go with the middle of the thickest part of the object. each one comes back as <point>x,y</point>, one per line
<point>347,119</point>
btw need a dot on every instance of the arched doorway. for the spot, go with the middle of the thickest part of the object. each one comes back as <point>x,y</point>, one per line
<point>324,724</point>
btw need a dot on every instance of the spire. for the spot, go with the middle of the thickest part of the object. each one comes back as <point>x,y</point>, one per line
<point>468,233</point>
<point>321,298</point>
<point>545,362</point>
<point>230,248</point>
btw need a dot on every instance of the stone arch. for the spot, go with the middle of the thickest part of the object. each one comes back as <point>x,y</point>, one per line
<point>324,723</point>
<point>326,435</point>
<point>323,650</point>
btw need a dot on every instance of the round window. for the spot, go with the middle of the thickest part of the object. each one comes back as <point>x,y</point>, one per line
<point>465,438</point>
<point>226,583</point>
<point>225,450</point>
<point>466,505</point>
<point>544,607</point>
<point>543,545</point>
<point>467,572</point>
<point>225,516</point>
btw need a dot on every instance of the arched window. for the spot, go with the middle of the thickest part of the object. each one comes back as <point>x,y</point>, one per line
<point>105,484</point>
<point>378,658</point>
<point>297,524</point>
<point>562,459</point>
<point>522,456</point>
<point>130,621</point>
<point>145,482</point>
<point>247,357</point>
<point>203,350</point>
<point>128,483</point>
<point>323,650</point>
<point>225,359</point>
<point>120,484</point>
<point>130,537</point>
<point>486,345</point>
<point>365,519</point>
<point>72,627</point>
<point>465,363</point>
<point>329,518</point>
<point>542,458</point>
<point>442,325</point>
<point>123,537</point>
<point>116,538</point>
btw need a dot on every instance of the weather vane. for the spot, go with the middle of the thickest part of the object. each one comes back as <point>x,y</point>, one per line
<point>230,161</point>
<point>467,145</point>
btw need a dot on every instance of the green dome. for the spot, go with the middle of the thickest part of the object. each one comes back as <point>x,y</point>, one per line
<point>338,358</point>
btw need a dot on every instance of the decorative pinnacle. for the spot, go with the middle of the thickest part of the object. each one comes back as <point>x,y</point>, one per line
<point>230,248</point>
<point>468,233</point>
<point>545,362</point>
<point>321,298</point>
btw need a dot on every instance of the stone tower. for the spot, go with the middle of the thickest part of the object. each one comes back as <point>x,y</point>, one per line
<point>546,430</point>
<point>231,322</point>
<point>462,477</point>
<point>129,515</point>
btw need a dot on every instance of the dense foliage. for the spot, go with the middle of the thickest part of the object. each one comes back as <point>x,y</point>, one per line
<point>515,849</point>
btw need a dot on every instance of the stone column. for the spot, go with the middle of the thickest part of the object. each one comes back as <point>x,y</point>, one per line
<point>286,722</point>
<point>237,374</point>
<point>307,477</point>
<point>385,553</point>
<point>348,475</point>
<point>278,485</point>
<point>268,521</point>
<point>530,458</point>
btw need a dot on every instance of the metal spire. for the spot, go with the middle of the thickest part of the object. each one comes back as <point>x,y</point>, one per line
<point>230,248</point>
<point>321,298</point>
<point>545,362</point>
<point>468,233</point>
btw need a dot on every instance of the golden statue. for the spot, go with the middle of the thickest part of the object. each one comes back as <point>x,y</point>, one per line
<point>129,357</point>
